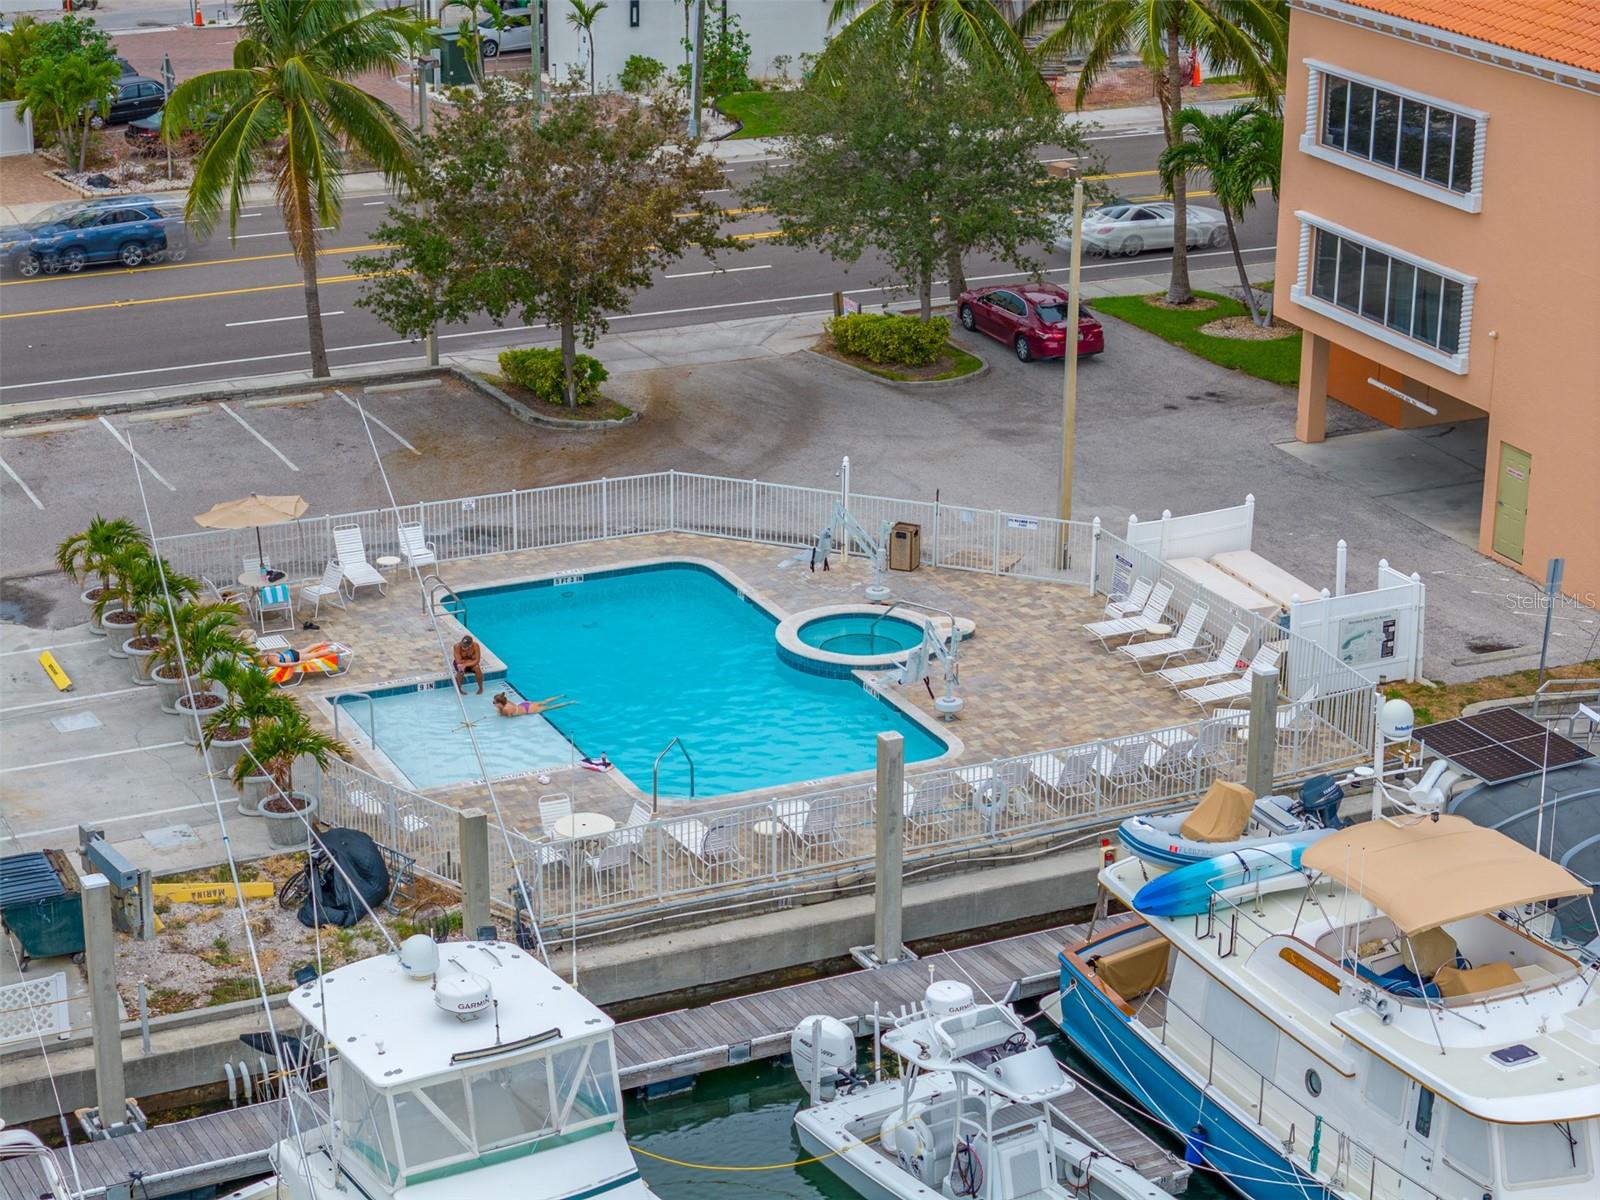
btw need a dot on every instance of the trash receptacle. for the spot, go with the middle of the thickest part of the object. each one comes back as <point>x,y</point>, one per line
<point>905,546</point>
<point>40,905</point>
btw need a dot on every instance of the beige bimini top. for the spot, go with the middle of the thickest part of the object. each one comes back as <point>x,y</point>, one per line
<point>1423,873</point>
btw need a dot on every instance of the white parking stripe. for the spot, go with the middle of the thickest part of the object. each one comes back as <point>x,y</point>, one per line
<point>17,479</point>
<point>67,762</point>
<point>57,646</point>
<point>717,271</point>
<point>338,312</point>
<point>137,816</point>
<point>255,433</point>
<point>72,699</point>
<point>137,457</point>
<point>382,426</point>
<point>277,233</point>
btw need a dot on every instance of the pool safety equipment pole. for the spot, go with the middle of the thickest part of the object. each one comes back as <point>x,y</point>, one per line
<point>891,820</point>
<point>1263,732</point>
<point>1069,390</point>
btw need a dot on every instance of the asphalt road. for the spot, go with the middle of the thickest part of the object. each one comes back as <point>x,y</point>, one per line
<point>234,309</point>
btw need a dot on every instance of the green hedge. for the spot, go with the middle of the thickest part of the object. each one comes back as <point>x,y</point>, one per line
<point>890,337</point>
<point>539,370</point>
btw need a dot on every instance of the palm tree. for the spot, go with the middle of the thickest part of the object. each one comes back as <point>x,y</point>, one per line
<point>582,18</point>
<point>1247,37</point>
<point>252,699</point>
<point>91,550</point>
<point>1239,151</point>
<point>288,106</point>
<point>972,32</point>
<point>276,744</point>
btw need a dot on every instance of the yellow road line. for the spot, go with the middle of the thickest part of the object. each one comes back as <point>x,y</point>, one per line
<point>266,287</point>
<point>209,262</point>
<point>755,237</point>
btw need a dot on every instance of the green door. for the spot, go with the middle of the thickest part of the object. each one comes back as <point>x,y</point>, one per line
<point>1511,501</point>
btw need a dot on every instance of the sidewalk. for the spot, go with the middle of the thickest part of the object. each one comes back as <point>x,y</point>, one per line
<point>622,352</point>
<point>361,183</point>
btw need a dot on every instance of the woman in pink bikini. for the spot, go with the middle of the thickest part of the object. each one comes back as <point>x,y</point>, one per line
<point>507,707</point>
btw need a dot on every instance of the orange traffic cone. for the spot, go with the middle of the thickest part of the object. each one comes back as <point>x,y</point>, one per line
<point>199,20</point>
<point>1194,76</point>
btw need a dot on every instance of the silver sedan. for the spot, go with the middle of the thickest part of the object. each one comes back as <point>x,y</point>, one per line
<point>1134,228</point>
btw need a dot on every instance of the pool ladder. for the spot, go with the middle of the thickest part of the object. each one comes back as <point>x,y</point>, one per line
<point>372,714</point>
<point>655,770</point>
<point>437,589</point>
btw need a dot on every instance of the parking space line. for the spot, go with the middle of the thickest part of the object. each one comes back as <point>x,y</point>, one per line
<point>137,457</point>
<point>57,646</point>
<point>380,424</point>
<point>17,479</point>
<point>16,708</point>
<point>138,816</point>
<point>67,762</point>
<point>255,433</point>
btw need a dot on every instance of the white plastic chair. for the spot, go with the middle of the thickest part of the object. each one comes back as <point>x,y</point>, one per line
<point>329,587</point>
<point>1155,609</point>
<point>1128,605</point>
<point>1181,643</point>
<point>1225,663</point>
<point>350,552</point>
<point>1231,689</point>
<point>552,809</point>
<point>275,598</point>
<point>414,547</point>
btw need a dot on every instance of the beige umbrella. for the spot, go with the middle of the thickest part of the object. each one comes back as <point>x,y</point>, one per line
<point>252,512</point>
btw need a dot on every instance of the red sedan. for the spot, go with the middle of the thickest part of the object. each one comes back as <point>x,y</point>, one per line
<point>1030,318</point>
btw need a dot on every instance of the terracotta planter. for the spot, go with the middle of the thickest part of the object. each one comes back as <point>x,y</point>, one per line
<point>226,751</point>
<point>140,658</point>
<point>119,627</point>
<point>89,597</point>
<point>200,702</point>
<point>253,789</point>
<point>171,684</point>
<point>285,829</point>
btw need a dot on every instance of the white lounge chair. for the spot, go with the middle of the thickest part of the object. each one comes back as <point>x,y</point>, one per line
<point>329,587</point>
<point>1133,602</point>
<point>632,834</point>
<point>1225,663</point>
<point>1288,716</point>
<point>609,869</point>
<point>706,847</point>
<point>1180,644</point>
<point>1125,764</point>
<point>1155,609</point>
<point>351,554</point>
<point>414,546</point>
<point>1231,689</point>
<point>1059,781</point>
<point>814,825</point>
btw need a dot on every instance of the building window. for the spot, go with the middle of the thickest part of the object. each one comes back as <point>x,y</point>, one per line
<point>1382,292</point>
<point>1431,147</point>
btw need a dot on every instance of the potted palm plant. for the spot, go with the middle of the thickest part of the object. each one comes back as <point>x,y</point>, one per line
<point>197,634</point>
<point>275,745</point>
<point>127,589</point>
<point>149,590</point>
<point>251,701</point>
<point>86,557</point>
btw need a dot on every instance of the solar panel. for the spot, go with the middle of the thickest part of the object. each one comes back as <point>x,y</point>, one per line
<point>1500,745</point>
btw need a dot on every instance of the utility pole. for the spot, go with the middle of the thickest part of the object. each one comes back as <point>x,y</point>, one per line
<point>430,341</point>
<point>1069,389</point>
<point>695,71</point>
<point>538,60</point>
<point>1552,593</point>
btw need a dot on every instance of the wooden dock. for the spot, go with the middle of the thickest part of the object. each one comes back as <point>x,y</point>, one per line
<point>227,1146</point>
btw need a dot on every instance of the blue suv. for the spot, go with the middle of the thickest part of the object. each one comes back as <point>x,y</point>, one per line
<point>128,229</point>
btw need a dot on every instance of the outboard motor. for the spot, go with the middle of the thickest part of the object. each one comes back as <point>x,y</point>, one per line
<point>1319,800</point>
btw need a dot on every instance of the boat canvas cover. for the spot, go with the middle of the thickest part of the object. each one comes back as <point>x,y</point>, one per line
<point>361,869</point>
<point>1426,873</point>
<point>1221,816</point>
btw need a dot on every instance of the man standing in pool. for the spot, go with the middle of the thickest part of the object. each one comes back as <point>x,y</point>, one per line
<point>467,658</point>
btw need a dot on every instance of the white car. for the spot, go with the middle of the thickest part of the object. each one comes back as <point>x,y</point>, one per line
<point>1134,228</point>
<point>517,35</point>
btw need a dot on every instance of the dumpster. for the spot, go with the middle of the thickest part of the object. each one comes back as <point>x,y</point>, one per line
<point>40,905</point>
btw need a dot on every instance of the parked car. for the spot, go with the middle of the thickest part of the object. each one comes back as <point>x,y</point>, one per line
<point>517,35</point>
<point>1134,228</point>
<point>126,229</point>
<point>136,97</point>
<point>1030,318</point>
<point>127,68</point>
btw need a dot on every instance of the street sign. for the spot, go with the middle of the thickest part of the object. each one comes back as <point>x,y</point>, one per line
<point>851,306</point>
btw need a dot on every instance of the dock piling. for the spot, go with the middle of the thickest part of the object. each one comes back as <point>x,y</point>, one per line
<point>886,926</point>
<point>1263,745</point>
<point>474,837</point>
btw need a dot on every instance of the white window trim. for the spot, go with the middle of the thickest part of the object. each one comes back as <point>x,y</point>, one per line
<point>1300,293</point>
<point>1311,139</point>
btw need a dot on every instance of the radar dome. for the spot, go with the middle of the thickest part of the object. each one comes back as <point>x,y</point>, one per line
<point>419,956</point>
<point>1396,719</point>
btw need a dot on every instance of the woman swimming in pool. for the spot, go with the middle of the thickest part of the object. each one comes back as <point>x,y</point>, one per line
<point>507,707</point>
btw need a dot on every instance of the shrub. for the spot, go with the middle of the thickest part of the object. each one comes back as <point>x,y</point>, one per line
<point>641,73</point>
<point>539,370</point>
<point>890,337</point>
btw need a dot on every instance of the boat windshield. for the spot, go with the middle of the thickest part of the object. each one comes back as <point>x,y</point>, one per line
<point>484,1114</point>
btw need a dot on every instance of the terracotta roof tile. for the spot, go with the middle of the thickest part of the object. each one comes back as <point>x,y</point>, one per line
<point>1564,31</point>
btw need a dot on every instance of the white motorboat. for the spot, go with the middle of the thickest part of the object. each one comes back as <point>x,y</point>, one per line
<point>455,1070</point>
<point>971,1113</point>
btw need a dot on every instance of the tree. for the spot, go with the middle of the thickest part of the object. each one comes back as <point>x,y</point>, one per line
<point>921,173</point>
<point>92,551</point>
<point>288,105</point>
<point>724,59</point>
<point>560,222</point>
<point>582,18</point>
<point>17,45</point>
<point>1247,37</point>
<point>65,73</point>
<point>1238,151</point>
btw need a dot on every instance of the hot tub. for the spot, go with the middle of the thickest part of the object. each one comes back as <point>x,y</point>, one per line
<point>842,638</point>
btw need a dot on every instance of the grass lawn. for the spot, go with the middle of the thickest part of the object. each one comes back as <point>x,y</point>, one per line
<point>1277,361</point>
<point>764,113</point>
<point>1446,701</point>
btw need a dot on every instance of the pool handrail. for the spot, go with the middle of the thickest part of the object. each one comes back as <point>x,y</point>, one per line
<point>655,769</point>
<point>372,713</point>
<point>872,630</point>
<point>437,587</point>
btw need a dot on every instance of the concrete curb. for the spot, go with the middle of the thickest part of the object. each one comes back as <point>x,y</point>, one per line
<point>523,413</point>
<point>905,385</point>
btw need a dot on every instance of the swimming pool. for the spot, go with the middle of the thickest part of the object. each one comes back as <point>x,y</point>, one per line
<point>418,728</point>
<point>673,650</point>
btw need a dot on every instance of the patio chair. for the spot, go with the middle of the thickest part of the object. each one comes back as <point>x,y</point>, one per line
<point>1231,689</point>
<point>1154,610</point>
<point>275,598</point>
<point>414,547</point>
<point>813,825</point>
<point>1226,662</point>
<point>1174,754</point>
<point>705,847</point>
<point>925,811</point>
<point>1288,717</point>
<point>225,594</point>
<point>553,808</point>
<point>323,658</point>
<point>608,867</point>
<point>329,587</point>
<point>1133,602</point>
<point>1058,781</point>
<point>256,566</point>
<point>1124,765</point>
<point>632,833</point>
<point>350,552</point>
<point>411,823</point>
<point>1008,775</point>
<point>1178,646</point>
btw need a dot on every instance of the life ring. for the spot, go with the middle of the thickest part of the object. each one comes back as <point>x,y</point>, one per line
<point>989,798</point>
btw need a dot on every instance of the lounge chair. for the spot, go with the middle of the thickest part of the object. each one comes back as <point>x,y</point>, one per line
<point>1154,611</point>
<point>1058,781</point>
<point>1289,716</point>
<point>329,587</point>
<point>287,668</point>
<point>351,554</point>
<point>925,810</point>
<point>814,825</point>
<point>1180,644</point>
<point>275,598</point>
<point>1123,765</point>
<point>1133,602</point>
<point>1225,663</point>
<point>706,847</point>
<point>1231,689</point>
<point>414,546</point>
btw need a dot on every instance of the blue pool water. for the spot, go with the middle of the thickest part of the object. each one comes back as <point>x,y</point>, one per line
<point>666,651</point>
<point>860,633</point>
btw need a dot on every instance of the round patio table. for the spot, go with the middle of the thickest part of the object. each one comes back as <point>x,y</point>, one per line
<point>584,824</point>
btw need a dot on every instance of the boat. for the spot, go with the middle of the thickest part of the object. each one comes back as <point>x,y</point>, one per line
<point>1230,818</point>
<point>1191,889</point>
<point>455,1070</point>
<point>971,1113</point>
<point>18,1144</point>
<point>1388,1024</point>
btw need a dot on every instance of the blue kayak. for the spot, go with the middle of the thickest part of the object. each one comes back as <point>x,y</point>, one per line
<point>1188,890</point>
